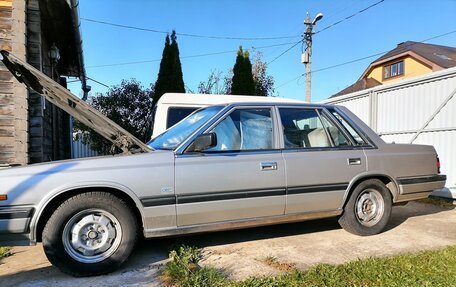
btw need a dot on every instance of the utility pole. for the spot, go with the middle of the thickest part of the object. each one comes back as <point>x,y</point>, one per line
<point>306,56</point>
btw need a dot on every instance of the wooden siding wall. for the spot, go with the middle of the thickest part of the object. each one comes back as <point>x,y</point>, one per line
<point>49,137</point>
<point>13,95</point>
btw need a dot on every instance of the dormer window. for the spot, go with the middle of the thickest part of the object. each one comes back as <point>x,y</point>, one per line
<point>393,70</point>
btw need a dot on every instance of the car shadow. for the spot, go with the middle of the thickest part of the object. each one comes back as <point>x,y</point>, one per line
<point>145,263</point>
<point>400,214</point>
<point>142,269</point>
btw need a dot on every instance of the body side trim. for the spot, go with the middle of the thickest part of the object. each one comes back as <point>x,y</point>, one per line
<point>13,212</point>
<point>192,198</point>
<point>158,201</point>
<point>238,194</point>
<point>421,179</point>
<point>317,188</point>
<point>239,224</point>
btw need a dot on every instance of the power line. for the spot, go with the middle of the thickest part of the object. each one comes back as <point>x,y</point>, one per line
<point>351,16</point>
<point>289,81</point>
<point>187,34</point>
<point>215,37</point>
<point>338,10</point>
<point>186,57</point>
<point>362,58</point>
<point>284,52</point>
<point>332,25</point>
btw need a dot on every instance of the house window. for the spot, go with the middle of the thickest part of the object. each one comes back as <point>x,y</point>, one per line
<point>393,70</point>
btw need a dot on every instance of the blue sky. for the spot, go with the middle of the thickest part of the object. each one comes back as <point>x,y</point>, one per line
<point>376,30</point>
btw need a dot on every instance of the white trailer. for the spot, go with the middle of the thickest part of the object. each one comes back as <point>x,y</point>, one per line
<point>421,110</point>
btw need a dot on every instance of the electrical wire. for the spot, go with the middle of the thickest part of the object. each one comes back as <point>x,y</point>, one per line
<point>348,17</point>
<point>187,57</point>
<point>188,34</point>
<point>289,81</point>
<point>328,27</point>
<point>284,52</point>
<point>216,37</point>
<point>362,58</point>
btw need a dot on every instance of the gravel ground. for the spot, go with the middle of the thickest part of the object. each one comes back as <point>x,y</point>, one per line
<point>254,252</point>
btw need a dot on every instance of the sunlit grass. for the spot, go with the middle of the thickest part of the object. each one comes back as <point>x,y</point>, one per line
<point>4,252</point>
<point>426,268</point>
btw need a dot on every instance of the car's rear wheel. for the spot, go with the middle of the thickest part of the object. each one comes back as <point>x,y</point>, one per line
<point>90,234</point>
<point>368,209</point>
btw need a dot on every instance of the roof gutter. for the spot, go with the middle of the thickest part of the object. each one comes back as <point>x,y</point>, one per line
<point>74,5</point>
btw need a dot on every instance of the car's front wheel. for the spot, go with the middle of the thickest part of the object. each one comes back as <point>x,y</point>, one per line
<point>368,209</point>
<point>90,234</point>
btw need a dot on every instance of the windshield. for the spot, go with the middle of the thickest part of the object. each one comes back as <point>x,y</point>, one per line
<point>171,138</point>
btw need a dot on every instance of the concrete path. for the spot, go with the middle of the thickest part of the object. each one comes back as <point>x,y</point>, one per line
<point>254,252</point>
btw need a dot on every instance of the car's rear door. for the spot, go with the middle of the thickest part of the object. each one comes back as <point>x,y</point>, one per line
<point>242,177</point>
<point>320,158</point>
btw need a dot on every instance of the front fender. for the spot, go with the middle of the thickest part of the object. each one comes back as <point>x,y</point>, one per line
<point>53,194</point>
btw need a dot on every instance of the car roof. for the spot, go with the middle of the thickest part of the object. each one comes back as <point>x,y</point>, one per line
<point>211,99</point>
<point>288,104</point>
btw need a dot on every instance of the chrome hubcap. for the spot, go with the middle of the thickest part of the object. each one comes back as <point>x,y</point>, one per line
<point>92,235</point>
<point>369,207</point>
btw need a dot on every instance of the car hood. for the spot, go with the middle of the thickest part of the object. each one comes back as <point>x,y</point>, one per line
<point>107,162</point>
<point>64,99</point>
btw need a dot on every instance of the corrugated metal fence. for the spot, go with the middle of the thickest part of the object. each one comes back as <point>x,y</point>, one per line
<point>81,149</point>
<point>420,110</point>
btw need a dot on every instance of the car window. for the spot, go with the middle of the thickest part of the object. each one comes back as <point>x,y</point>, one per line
<point>334,132</point>
<point>172,137</point>
<point>303,128</point>
<point>244,129</point>
<point>176,114</point>
<point>348,127</point>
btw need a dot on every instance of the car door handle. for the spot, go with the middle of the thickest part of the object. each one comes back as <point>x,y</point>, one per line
<point>354,161</point>
<point>269,165</point>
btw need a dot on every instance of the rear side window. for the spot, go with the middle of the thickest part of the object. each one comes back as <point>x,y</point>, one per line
<point>176,114</point>
<point>334,132</point>
<point>355,135</point>
<point>303,128</point>
<point>307,128</point>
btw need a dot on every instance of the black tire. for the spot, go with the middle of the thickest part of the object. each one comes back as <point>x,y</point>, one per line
<point>61,254</point>
<point>355,224</point>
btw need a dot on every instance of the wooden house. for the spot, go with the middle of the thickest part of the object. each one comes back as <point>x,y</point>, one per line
<point>46,34</point>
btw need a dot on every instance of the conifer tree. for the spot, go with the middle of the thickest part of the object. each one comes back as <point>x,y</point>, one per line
<point>170,77</point>
<point>242,83</point>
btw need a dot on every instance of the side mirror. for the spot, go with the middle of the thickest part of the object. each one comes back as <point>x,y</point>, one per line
<point>203,142</point>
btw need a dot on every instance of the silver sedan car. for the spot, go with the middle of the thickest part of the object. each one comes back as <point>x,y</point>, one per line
<point>227,166</point>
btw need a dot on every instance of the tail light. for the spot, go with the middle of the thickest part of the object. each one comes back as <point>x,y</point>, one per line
<point>438,165</point>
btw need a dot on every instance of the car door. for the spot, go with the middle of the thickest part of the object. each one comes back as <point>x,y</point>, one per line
<point>320,158</point>
<point>242,177</point>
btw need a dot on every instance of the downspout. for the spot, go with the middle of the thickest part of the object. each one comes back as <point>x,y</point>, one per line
<point>74,5</point>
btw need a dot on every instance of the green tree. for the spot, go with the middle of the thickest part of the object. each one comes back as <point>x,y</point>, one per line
<point>264,83</point>
<point>170,77</point>
<point>242,81</point>
<point>129,105</point>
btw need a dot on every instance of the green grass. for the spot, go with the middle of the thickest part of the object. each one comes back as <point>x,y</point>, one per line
<point>426,268</point>
<point>4,252</point>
